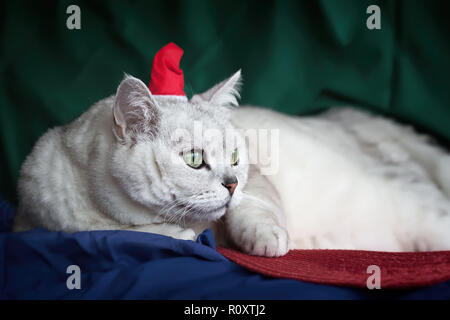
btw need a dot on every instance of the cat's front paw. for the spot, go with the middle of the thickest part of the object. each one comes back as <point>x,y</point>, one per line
<point>186,234</point>
<point>265,239</point>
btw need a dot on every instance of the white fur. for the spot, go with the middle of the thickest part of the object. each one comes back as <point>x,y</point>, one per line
<point>118,167</point>
<point>350,180</point>
<point>346,179</point>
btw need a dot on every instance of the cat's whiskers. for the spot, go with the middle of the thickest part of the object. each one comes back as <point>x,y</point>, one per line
<point>166,208</point>
<point>178,214</point>
<point>190,208</point>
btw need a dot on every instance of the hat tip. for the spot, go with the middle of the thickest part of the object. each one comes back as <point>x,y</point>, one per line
<point>166,75</point>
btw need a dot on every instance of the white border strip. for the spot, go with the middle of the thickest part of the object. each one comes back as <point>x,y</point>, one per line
<point>169,96</point>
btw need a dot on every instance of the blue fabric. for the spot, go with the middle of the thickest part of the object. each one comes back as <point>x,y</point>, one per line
<point>135,265</point>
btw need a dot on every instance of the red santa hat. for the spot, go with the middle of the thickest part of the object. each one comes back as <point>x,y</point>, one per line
<point>167,78</point>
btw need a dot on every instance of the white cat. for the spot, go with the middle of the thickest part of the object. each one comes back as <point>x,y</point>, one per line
<point>344,179</point>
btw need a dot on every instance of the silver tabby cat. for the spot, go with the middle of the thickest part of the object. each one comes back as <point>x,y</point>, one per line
<point>342,179</point>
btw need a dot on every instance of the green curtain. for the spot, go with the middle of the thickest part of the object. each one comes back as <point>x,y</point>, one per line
<point>296,56</point>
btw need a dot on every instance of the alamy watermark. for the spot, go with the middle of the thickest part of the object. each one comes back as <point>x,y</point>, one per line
<point>74,19</point>
<point>261,145</point>
<point>374,280</point>
<point>374,20</point>
<point>74,280</point>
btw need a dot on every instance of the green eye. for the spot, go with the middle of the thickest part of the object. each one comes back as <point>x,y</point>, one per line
<point>193,159</point>
<point>235,157</point>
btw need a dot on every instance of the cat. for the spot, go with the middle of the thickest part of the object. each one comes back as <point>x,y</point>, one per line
<point>343,179</point>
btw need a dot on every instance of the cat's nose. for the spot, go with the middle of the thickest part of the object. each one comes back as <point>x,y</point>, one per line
<point>230,183</point>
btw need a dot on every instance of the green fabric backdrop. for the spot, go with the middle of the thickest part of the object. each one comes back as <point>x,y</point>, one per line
<point>297,57</point>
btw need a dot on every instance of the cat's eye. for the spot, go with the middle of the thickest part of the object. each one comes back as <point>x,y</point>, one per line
<point>193,158</point>
<point>235,157</point>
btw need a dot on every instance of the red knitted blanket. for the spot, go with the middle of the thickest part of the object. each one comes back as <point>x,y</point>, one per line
<point>350,267</point>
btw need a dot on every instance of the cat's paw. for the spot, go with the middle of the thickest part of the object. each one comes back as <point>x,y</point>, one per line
<point>265,239</point>
<point>185,234</point>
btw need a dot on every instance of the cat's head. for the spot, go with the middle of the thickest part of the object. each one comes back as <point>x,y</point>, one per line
<point>182,159</point>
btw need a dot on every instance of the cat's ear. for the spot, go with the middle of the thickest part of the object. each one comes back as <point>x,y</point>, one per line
<point>135,109</point>
<point>225,93</point>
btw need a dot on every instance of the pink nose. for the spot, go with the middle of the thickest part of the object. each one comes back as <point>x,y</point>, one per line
<point>231,187</point>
